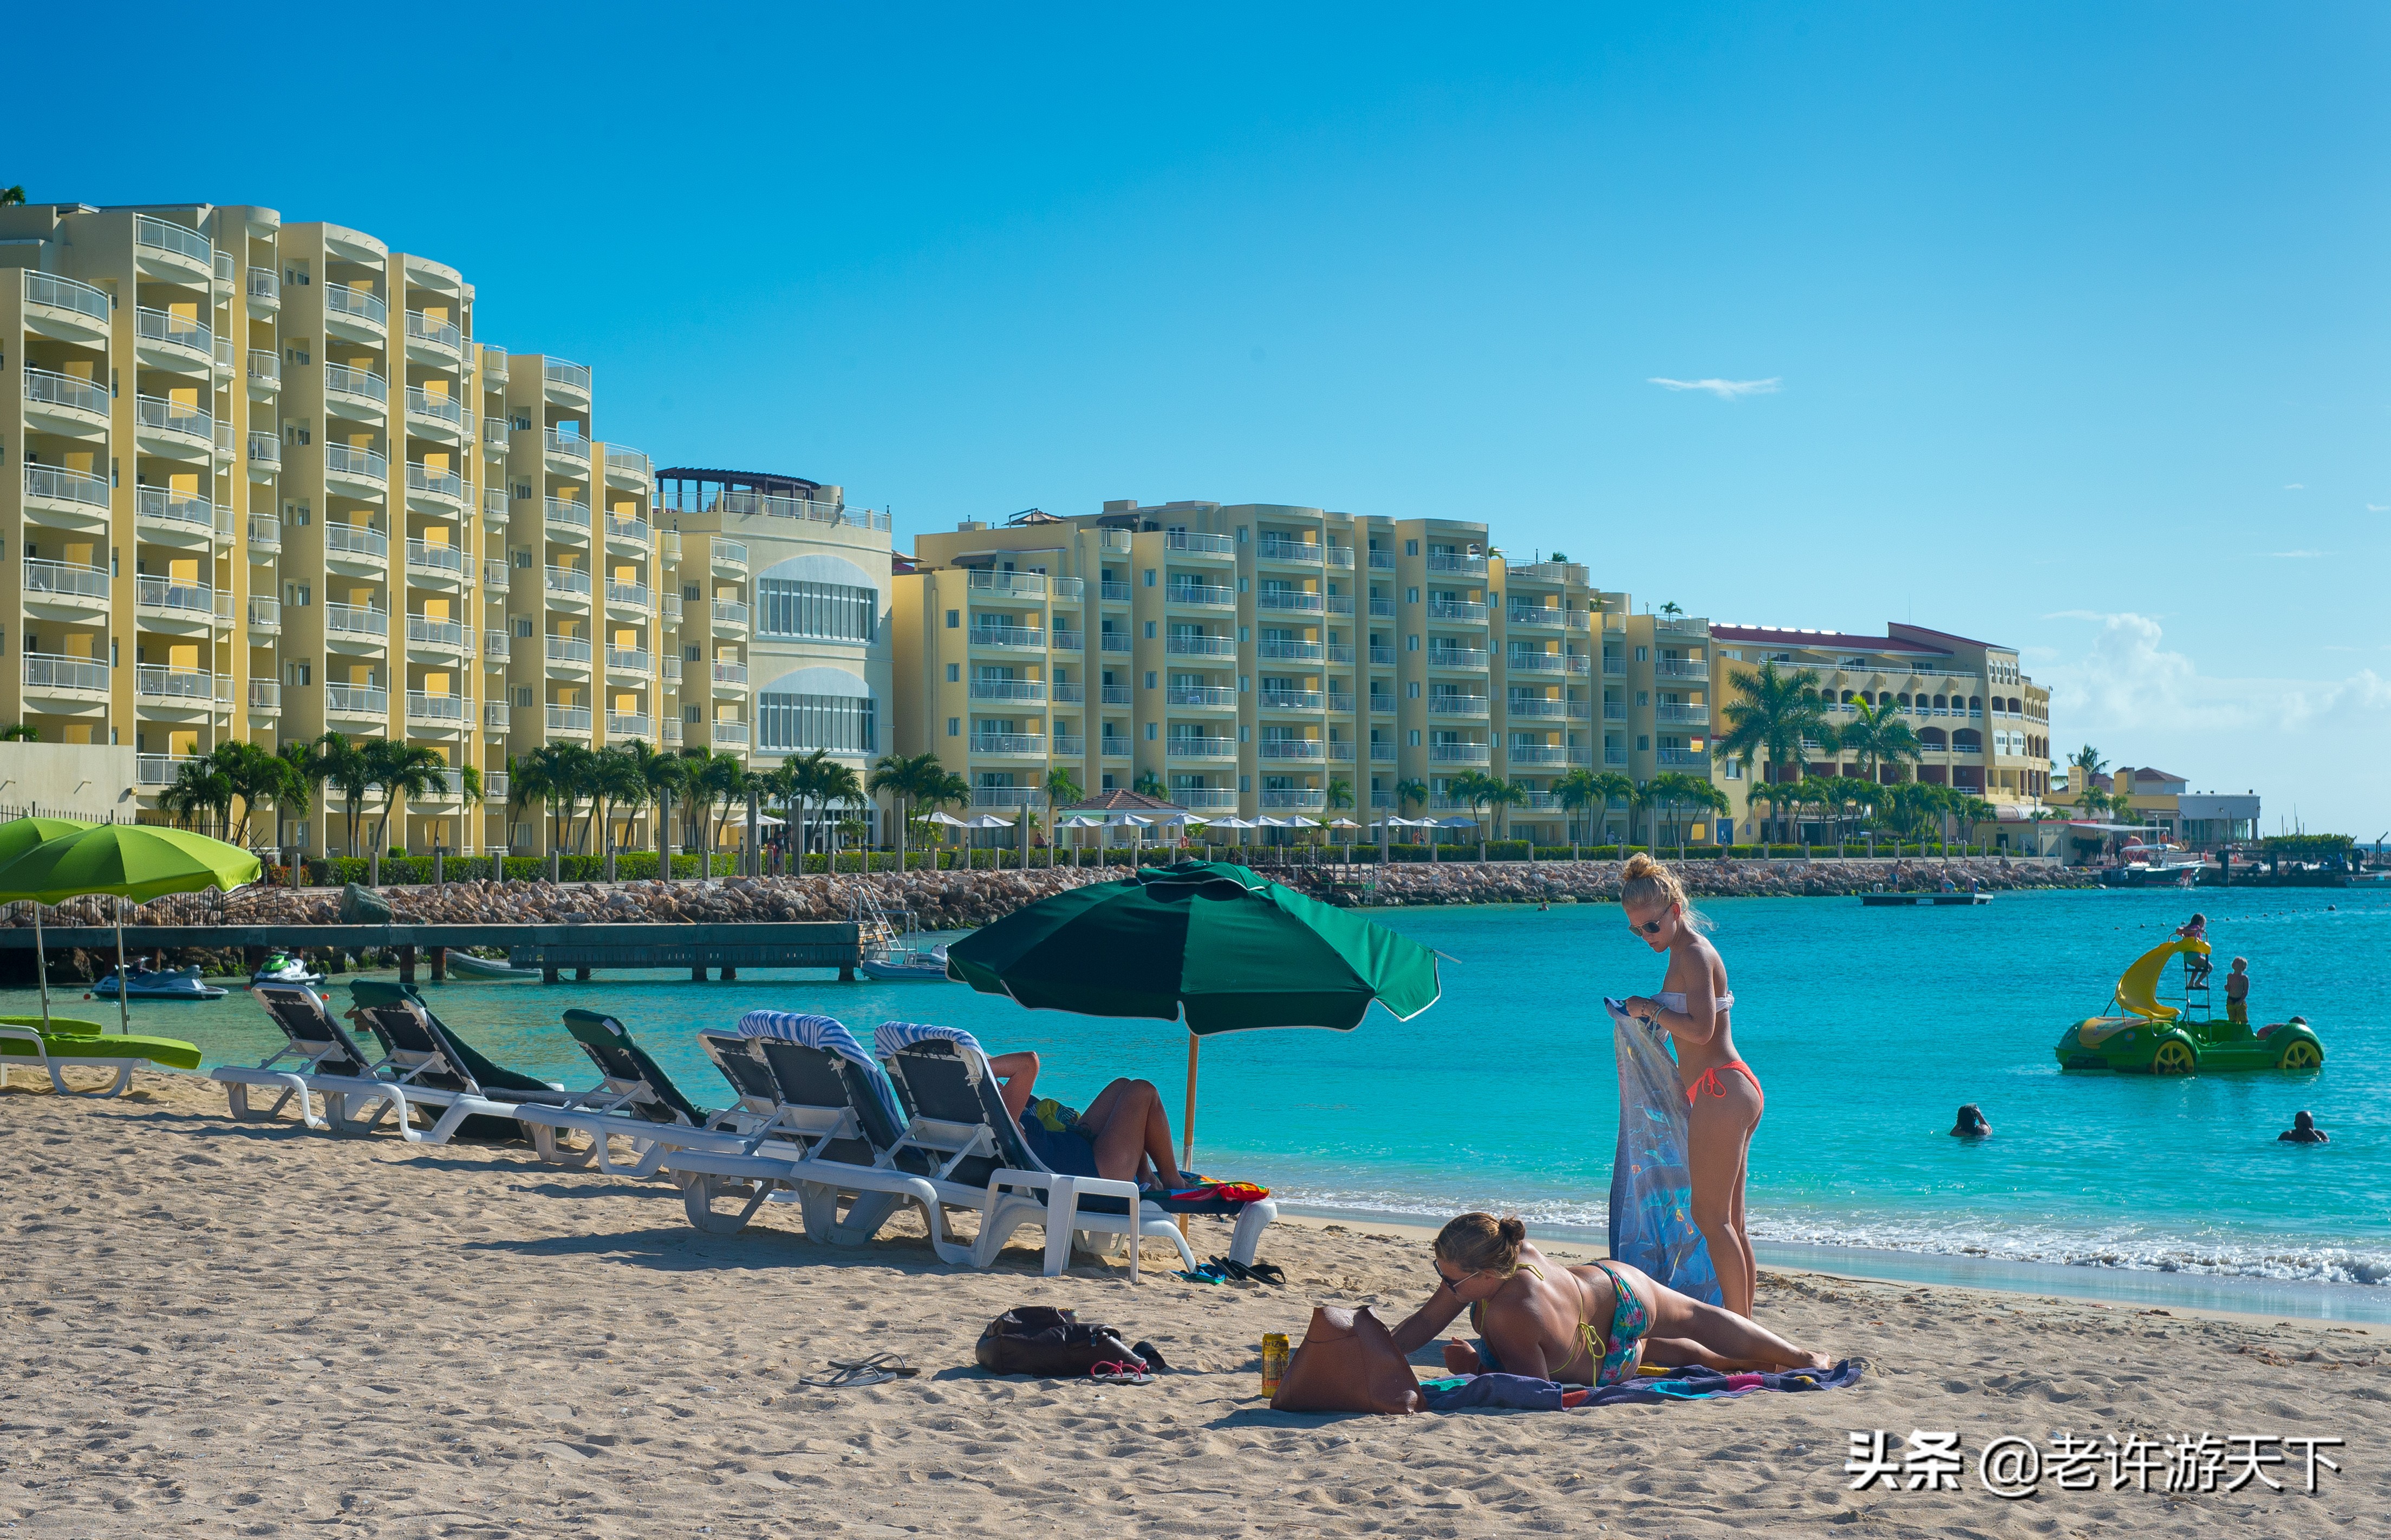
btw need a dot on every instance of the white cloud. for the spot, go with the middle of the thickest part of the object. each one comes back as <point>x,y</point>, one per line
<point>1725,390</point>
<point>2294,486</point>
<point>2297,556</point>
<point>2378,508</point>
<point>2131,681</point>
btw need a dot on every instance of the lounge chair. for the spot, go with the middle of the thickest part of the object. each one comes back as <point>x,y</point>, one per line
<point>959,1120</point>
<point>323,1060</point>
<point>24,1045</point>
<point>634,1099</point>
<point>428,1065</point>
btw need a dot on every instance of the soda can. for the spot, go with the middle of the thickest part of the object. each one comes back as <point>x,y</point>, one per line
<point>1275,1354</point>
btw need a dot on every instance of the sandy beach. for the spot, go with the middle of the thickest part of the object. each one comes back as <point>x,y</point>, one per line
<point>221,1328</point>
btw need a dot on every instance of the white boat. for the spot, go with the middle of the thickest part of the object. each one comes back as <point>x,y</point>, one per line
<point>153,984</point>
<point>464,964</point>
<point>895,964</point>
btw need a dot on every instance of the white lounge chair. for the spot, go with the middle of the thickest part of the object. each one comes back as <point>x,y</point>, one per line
<point>317,1058</point>
<point>634,1099</point>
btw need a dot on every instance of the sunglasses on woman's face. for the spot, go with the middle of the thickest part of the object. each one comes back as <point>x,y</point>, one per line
<point>1649,927</point>
<point>1454,1284</point>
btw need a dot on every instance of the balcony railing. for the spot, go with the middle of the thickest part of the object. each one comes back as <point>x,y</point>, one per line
<point>1112,745</point>
<point>363,541</point>
<point>264,287</point>
<point>440,408</point>
<point>628,724</point>
<point>729,611</point>
<point>65,390</point>
<point>569,649</point>
<point>1187,644</point>
<point>160,769</point>
<point>1289,652</point>
<point>1537,706</point>
<point>1460,754</point>
<point>1113,695</point>
<point>630,460</point>
<point>497,645</point>
<point>1544,663</point>
<point>58,293</point>
<point>1209,545</point>
<point>56,671</point>
<point>635,595</point>
<point>1292,748</point>
<point>365,384</point>
<point>1112,641</point>
<point>164,326</point>
<point>364,464</point>
<point>1456,657</point>
<point>1452,561</point>
<point>571,580</point>
<point>156,411</point>
<point>264,367</point>
<point>438,558</point>
<point>1008,689</point>
<point>668,670</point>
<point>493,364</point>
<point>1458,706</point>
<point>1456,610</point>
<point>567,514</point>
<point>1008,796</point>
<point>729,732</point>
<point>571,376</point>
<point>266,615</point>
<point>173,507</point>
<point>1542,614</point>
<point>1008,743</point>
<point>1288,599</point>
<point>1381,754</point>
<point>1028,585</point>
<point>630,660</point>
<point>1202,745</point>
<point>1291,700</point>
<point>570,446</point>
<point>1538,753</point>
<point>494,788</point>
<point>670,608</point>
<point>636,531</point>
<point>1683,757</point>
<point>264,695</point>
<point>1007,636</point>
<point>1690,716</point>
<point>1112,592</point>
<point>730,673</point>
<point>1069,693</point>
<point>65,577</point>
<point>568,718</point>
<point>1210,595</point>
<point>1682,669</point>
<point>421,328</point>
<point>341,299</point>
<point>494,715</point>
<point>59,483</point>
<point>423,707</point>
<point>440,484</point>
<point>265,449</point>
<point>1298,799</point>
<point>1068,641</point>
<point>165,593</point>
<point>1200,695</point>
<point>495,434</point>
<point>356,620</point>
<point>1340,556</point>
<point>177,684</point>
<point>493,575</point>
<point>1281,548</point>
<point>434,632</point>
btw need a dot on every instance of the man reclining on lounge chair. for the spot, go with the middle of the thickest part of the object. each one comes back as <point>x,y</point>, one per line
<point>1123,1135</point>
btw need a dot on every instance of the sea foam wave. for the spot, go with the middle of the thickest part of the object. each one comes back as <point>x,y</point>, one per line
<point>2257,1257</point>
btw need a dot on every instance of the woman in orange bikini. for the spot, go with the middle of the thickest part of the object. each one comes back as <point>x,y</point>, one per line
<point>1722,1097</point>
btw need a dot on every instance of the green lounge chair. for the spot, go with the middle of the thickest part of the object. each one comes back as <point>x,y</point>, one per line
<point>24,1045</point>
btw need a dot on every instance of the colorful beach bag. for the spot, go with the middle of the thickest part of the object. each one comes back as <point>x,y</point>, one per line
<point>1652,1194</point>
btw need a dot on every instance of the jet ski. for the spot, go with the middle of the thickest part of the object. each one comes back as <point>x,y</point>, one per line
<point>280,967</point>
<point>146,983</point>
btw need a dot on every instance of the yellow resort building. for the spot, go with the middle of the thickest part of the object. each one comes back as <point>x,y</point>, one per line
<point>1249,659</point>
<point>274,484</point>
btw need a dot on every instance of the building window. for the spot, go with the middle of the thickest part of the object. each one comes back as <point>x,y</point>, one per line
<point>954,673</point>
<point>791,723</point>
<point>954,727</point>
<point>954,619</point>
<point>833,612</point>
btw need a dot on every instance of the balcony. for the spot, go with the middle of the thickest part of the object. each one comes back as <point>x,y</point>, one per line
<point>265,696</point>
<point>442,411</point>
<point>1023,585</point>
<point>265,289</point>
<point>629,596</point>
<point>1458,611</point>
<point>1539,663</point>
<point>1687,715</point>
<point>176,512</point>
<point>493,575</point>
<point>1289,652</point>
<point>1113,594</point>
<point>434,485</point>
<point>1613,757</point>
<point>568,380</point>
<point>627,465</point>
<point>1299,801</point>
<point>1536,705</point>
<point>55,674</point>
<point>1288,599</point>
<point>569,718</point>
<point>668,670</point>
<point>1474,658</point>
<point>1021,637</point>
<point>67,580</point>
<point>1340,701</point>
<point>181,333</point>
<point>729,732</point>
<point>84,403</point>
<point>494,367</point>
<point>343,384</point>
<point>1683,758</point>
<point>1069,746</point>
<point>354,542</point>
<point>1682,669</point>
<point>671,608</point>
<point>175,424</point>
<point>1340,556</point>
<point>1205,798</point>
<point>165,595</point>
<point>1292,748</point>
<point>733,674</point>
<point>1113,642</point>
<point>356,620</point>
<point>1539,753</point>
<point>1015,744</point>
<point>1291,700</point>
<point>443,710</point>
<point>264,452</point>
<point>180,686</point>
<point>1008,689</point>
<point>1550,616</point>
<point>1113,695</point>
<point>573,651</point>
<point>159,770</point>
<point>630,724</point>
<point>1454,561</point>
<point>495,716</point>
<point>671,734</point>
<point>362,465</point>
<point>1068,641</point>
<point>1205,696</point>
<point>628,532</point>
<point>730,614</point>
<point>1381,754</point>
<point>1201,745</point>
<point>495,788</point>
<point>266,617</point>
<point>496,434</point>
<point>1112,745</point>
<point>1008,796</point>
<point>360,307</point>
<point>79,492</point>
<point>497,645</point>
<point>1202,595</point>
<point>1282,547</point>
<point>568,517</point>
<point>1458,706</point>
<point>570,447</point>
<point>87,308</point>
<point>1381,656</point>
<point>569,583</point>
<point>1187,644</point>
<point>1073,693</point>
<point>441,335</point>
<point>1200,545</point>
<point>432,631</point>
<point>1460,754</point>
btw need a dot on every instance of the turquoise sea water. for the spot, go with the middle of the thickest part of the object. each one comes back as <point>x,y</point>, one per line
<point>1869,1027</point>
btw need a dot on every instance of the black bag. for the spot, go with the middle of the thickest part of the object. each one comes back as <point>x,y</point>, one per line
<point>1052,1344</point>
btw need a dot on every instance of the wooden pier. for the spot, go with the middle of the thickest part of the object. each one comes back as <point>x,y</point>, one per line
<point>552,949</point>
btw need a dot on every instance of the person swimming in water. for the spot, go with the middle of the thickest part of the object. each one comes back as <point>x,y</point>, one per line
<point>1722,1097</point>
<point>1587,1324</point>
<point>2303,1131</point>
<point>1972,1124</point>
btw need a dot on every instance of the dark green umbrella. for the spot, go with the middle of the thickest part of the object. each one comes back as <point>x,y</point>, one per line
<point>1225,949</point>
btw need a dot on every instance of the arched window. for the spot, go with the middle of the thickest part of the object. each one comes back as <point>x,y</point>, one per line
<point>1942,702</point>
<point>1975,702</point>
<point>1932,738</point>
<point>2015,706</point>
<point>1903,698</point>
<point>1968,741</point>
<point>1847,697</point>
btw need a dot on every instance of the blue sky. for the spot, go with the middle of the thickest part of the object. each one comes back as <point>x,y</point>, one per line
<point>2073,317</point>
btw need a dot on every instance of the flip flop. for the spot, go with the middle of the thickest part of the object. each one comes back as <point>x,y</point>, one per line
<point>1151,1354</point>
<point>1127,1372</point>
<point>1268,1272</point>
<point>1204,1272</point>
<point>850,1374</point>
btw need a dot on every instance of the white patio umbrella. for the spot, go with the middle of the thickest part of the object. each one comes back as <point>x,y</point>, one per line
<point>950,820</point>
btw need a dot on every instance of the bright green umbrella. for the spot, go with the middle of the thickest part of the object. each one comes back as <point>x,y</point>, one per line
<point>135,861</point>
<point>1225,948</point>
<point>21,835</point>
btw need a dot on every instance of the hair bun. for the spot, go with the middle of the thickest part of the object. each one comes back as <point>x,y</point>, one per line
<point>1641,864</point>
<point>1512,1229</point>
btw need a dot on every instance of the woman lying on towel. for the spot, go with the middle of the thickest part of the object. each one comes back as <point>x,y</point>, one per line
<point>1123,1135</point>
<point>1581,1326</point>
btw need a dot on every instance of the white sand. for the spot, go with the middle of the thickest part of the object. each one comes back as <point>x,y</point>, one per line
<point>220,1328</point>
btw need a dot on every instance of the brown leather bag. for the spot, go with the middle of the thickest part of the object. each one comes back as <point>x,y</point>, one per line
<point>1348,1362</point>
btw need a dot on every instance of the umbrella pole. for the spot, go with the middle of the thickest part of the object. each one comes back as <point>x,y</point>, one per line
<point>123,1012</point>
<point>1187,1124</point>
<point>41,967</point>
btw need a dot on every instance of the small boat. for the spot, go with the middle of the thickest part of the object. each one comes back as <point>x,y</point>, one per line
<point>146,983</point>
<point>895,964</point>
<point>280,967</point>
<point>1921,900</point>
<point>464,964</point>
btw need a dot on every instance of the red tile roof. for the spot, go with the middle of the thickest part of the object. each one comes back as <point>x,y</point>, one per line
<point>1786,636</point>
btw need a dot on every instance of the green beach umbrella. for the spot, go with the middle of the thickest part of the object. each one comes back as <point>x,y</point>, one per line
<point>17,837</point>
<point>135,862</point>
<point>1209,941</point>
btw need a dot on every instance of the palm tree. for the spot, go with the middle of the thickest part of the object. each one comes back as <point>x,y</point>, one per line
<point>1475,789</point>
<point>254,776</point>
<point>20,732</point>
<point>1971,810</point>
<point>1780,717</point>
<point>1709,798</point>
<point>342,764</point>
<point>906,778</point>
<point>1502,797</point>
<point>1613,786</point>
<point>715,780</point>
<point>12,195</point>
<point>836,783</point>
<point>621,783</point>
<point>1150,784</point>
<point>1337,795</point>
<point>806,772</point>
<point>1576,793</point>
<point>294,791</point>
<point>198,787</point>
<point>2084,770</point>
<point>1671,610</point>
<point>1878,734</point>
<point>402,769</point>
<point>545,776</point>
